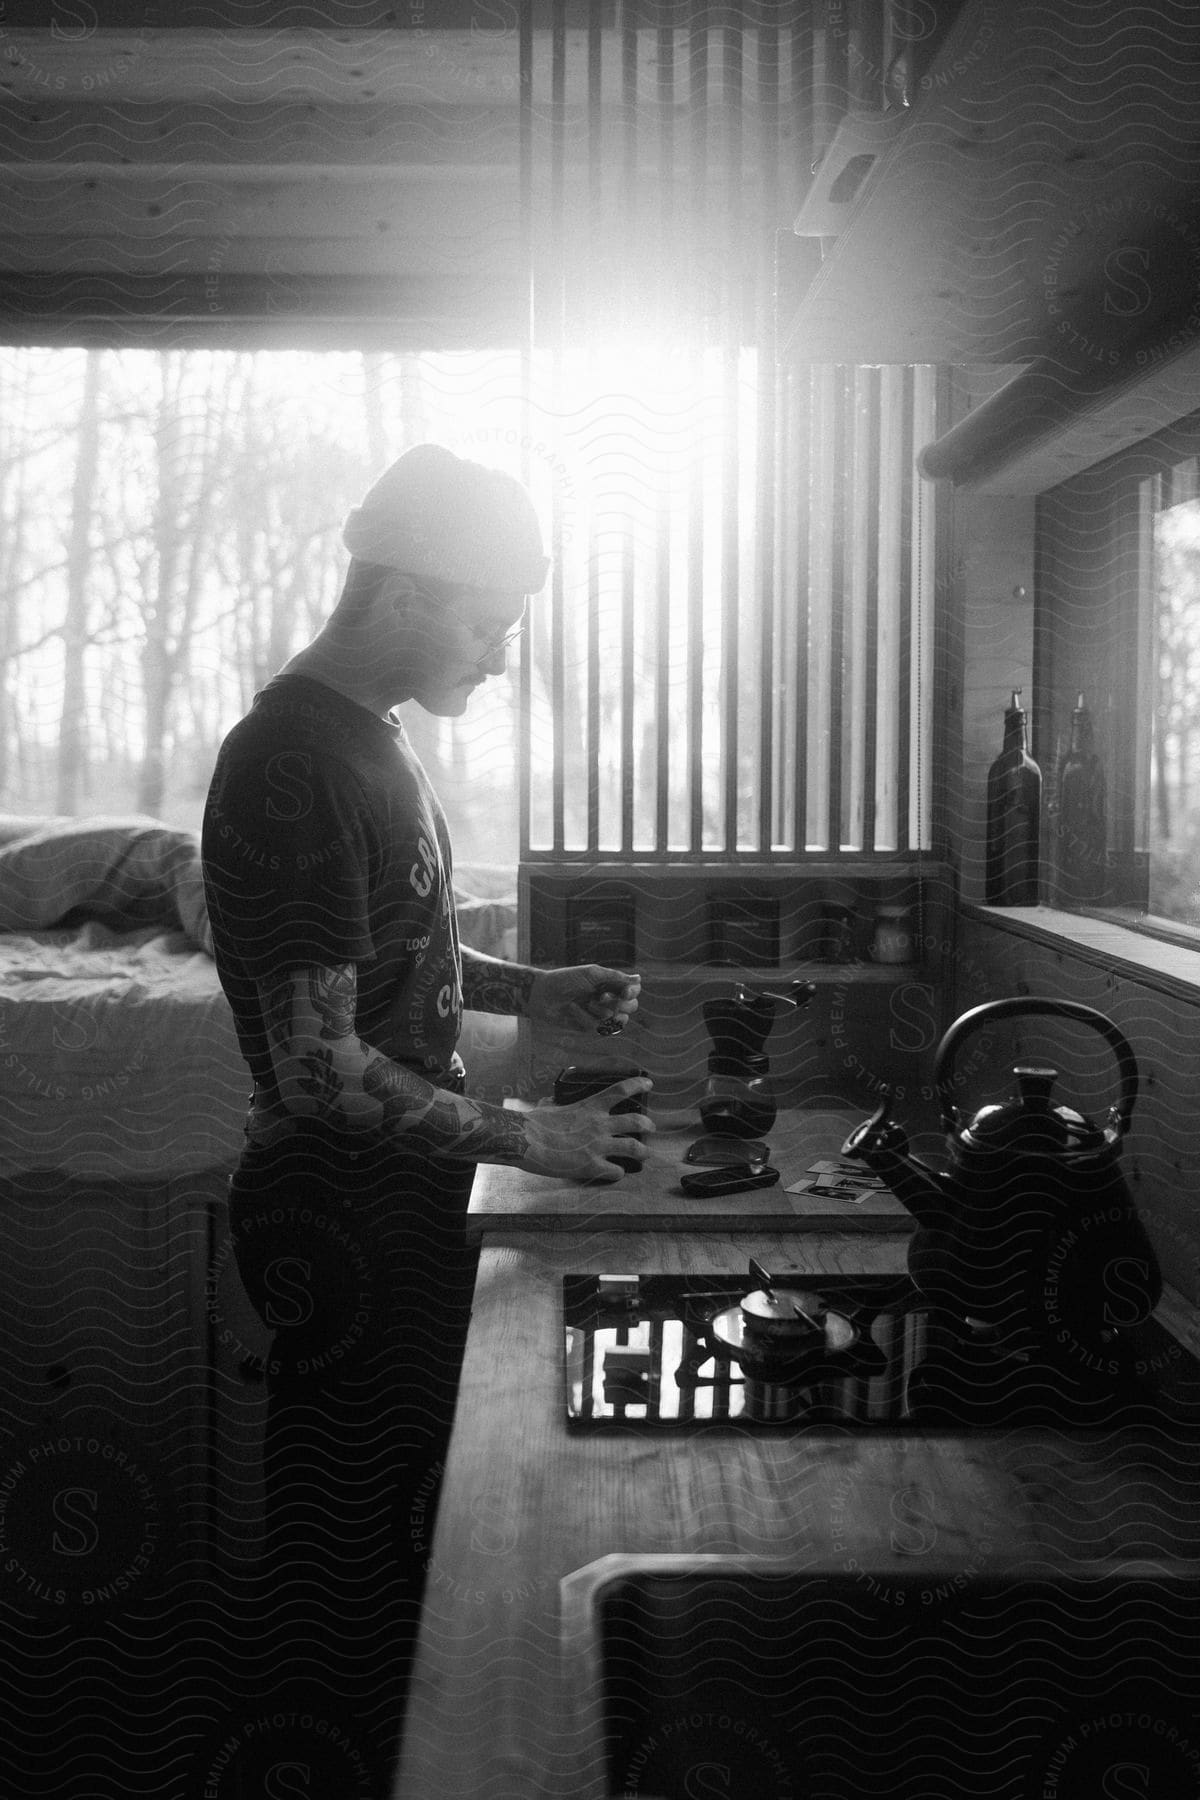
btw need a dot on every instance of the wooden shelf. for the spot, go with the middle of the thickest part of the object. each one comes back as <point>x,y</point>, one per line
<point>1103,942</point>
<point>693,918</point>
<point>885,865</point>
<point>821,974</point>
<point>867,1023</point>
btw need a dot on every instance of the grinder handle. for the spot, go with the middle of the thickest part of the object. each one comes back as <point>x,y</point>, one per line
<point>1119,1115</point>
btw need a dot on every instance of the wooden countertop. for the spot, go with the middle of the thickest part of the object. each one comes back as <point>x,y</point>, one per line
<point>507,1199</point>
<point>526,1502</point>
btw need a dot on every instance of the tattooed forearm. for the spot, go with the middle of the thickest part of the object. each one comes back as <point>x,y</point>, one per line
<point>492,986</point>
<point>447,1123</point>
<point>333,993</point>
<point>321,1082</point>
<point>323,1069</point>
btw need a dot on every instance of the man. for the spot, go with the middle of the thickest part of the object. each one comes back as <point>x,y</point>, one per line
<point>328,875</point>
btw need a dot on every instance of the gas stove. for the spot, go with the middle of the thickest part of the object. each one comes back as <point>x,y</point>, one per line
<point>869,1353</point>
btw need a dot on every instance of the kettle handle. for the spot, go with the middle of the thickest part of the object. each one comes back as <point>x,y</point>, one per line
<point>1118,1116</point>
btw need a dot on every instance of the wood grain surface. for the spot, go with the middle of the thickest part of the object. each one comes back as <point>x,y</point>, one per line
<point>526,1503</point>
<point>651,1200</point>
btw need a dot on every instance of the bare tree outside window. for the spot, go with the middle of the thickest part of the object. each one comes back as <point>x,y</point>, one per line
<point>170,535</point>
<point>1174,814</point>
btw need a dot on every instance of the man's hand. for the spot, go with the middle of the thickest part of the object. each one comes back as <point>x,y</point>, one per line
<point>578,1142</point>
<point>585,998</point>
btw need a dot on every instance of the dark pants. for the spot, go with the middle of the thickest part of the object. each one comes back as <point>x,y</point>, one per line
<point>357,1262</point>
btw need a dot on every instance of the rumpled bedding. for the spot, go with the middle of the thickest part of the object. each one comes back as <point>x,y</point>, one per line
<point>127,872</point>
<point>118,1056</point>
<point>124,872</point>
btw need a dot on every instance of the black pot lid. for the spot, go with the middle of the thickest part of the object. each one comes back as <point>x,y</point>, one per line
<point>786,1316</point>
<point>1030,1122</point>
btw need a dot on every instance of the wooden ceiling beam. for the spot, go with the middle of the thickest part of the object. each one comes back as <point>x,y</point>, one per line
<point>142,209</point>
<point>418,17</point>
<point>44,308</point>
<point>261,134</point>
<point>156,64</point>
<point>132,209</point>
<point>280,259</point>
<point>264,332</point>
<point>304,135</point>
<point>346,67</point>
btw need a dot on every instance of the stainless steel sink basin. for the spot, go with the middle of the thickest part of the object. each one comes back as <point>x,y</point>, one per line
<point>741,1677</point>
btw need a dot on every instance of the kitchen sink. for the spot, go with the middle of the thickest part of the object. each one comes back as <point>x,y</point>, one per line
<point>690,1676</point>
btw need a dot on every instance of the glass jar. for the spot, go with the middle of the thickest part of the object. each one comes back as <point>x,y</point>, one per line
<point>835,932</point>
<point>893,939</point>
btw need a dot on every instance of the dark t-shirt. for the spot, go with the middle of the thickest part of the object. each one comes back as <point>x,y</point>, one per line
<point>324,843</point>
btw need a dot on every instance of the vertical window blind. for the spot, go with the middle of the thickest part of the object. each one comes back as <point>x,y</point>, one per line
<point>733,656</point>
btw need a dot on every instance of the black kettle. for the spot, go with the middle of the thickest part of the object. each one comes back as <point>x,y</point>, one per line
<point>1032,1235</point>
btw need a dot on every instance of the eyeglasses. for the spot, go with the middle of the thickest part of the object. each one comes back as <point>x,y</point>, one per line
<point>442,596</point>
<point>493,646</point>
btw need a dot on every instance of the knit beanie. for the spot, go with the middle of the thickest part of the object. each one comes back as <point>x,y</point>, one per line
<point>435,514</point>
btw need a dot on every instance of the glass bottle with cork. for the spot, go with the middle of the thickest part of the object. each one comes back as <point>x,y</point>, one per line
<point>1014,807</point>
<point>1080,842</point>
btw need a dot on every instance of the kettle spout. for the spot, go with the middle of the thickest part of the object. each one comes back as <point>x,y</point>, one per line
<point>881,1144</point>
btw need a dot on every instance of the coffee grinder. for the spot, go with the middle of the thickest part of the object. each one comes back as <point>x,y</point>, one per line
<point>739,1099</point>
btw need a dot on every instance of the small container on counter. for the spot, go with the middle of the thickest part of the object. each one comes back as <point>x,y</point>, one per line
<point>837,929</point>
<point>743,927</point>
<point>602,925</point>
<point>1079,834</point>
<point>893,940</point>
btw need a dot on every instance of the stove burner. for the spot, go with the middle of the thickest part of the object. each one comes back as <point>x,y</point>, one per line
<point>853,1352</point>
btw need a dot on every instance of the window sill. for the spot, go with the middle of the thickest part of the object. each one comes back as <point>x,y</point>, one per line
<point>1170,968</point>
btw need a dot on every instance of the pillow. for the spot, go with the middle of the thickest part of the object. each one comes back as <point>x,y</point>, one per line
<point>125,872</point>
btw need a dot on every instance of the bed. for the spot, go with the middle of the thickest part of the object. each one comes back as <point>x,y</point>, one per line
<point>118,1057</point>
<point>122,1098</point>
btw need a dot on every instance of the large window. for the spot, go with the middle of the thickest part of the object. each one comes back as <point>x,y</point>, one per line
<point>733,656</point>
<point>1172,501</point>
<point>1119,623</point>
